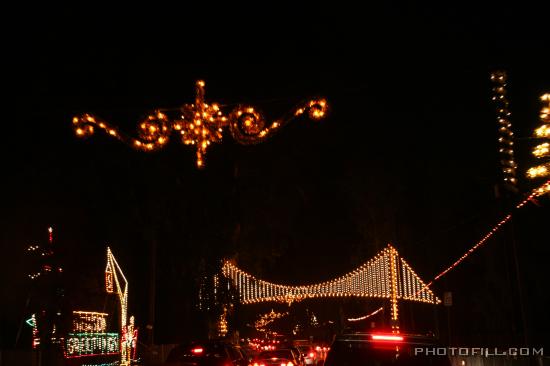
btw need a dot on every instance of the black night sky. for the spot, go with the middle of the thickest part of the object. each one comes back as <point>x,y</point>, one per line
<point>407,155</point>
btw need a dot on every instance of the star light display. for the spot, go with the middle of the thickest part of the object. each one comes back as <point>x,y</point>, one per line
<point>115,282</point>
<point>201,124</point>
<point>386,276</point>
<point>505,134</point>
<point>542,150</point>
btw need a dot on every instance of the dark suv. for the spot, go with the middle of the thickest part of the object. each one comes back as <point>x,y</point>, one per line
<point>208,353</point>
<point>382,349</point>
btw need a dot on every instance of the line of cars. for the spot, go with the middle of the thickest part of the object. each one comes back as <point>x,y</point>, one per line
<point>221,353</point>
<point>365,349</point>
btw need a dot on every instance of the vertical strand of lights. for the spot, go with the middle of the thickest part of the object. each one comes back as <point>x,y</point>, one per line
<point>542,150</point>
<point>122,293</point>
<point>505,134</point>
<point>393,299</point>
<point>387,284</point>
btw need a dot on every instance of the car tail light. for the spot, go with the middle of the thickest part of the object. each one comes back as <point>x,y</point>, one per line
<point>387,337</point>
<point>311,355</point>
<point>197,350</point>
<point>317,348</point>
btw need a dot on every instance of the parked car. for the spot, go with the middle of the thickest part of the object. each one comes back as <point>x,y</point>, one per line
<point>379,349</point>
<point>208,353</point>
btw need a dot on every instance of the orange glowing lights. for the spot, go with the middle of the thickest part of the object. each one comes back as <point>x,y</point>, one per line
<point>202,124</point>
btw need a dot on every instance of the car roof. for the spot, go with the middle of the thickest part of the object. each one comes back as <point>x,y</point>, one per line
<point>368,337</point>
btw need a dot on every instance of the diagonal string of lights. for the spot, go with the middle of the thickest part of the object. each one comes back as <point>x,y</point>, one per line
<point>200,124</point>
<point>365,317</point>
<point>541,190</point>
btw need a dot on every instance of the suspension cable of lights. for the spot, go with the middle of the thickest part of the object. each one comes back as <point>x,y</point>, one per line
<point>542,150</point>
<point>365,317</point>
<point>506,136</point>
<point>541,190</point>
<point>201,124</point>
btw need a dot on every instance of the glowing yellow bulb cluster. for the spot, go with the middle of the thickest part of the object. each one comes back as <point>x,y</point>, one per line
<point>384,276</point>
<point>506,136</point>
<point>200,124</point>
<point>542,150</point>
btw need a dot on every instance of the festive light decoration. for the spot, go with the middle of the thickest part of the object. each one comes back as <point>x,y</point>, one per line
<point>201,124</point>
<point>46,253</point>
<point>506,136</point>
<point>129,339</point>
<point>387,276</point>
<point>35,338</point>
<point>113,285</point>
<point>539,191</point>
<point>542,150</point>
<point>222,323</point>
<point>266,319</point>
<point>89,322</point>
<point>91,344</point>
<point>366,316</point>
<point>375,278</point>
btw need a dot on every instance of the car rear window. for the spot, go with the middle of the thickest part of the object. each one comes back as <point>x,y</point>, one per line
<point>344,353</point>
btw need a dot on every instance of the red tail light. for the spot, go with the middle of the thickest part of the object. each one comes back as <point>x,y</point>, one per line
<point>197,350</point>
<point>311,355</point>
<point>387,337</point>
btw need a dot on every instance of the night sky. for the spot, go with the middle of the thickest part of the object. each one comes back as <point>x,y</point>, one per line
<point>407,155</point>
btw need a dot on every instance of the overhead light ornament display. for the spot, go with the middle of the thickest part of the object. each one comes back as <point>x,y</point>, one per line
<point>201,124</point>
<point>542,150</point>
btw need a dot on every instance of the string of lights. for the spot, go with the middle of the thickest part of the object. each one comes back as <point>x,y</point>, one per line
<point>506,136</point>
<point>542,150</point>
<point>541,190</point>
<point>201,124</point>
<point>365,317</point>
